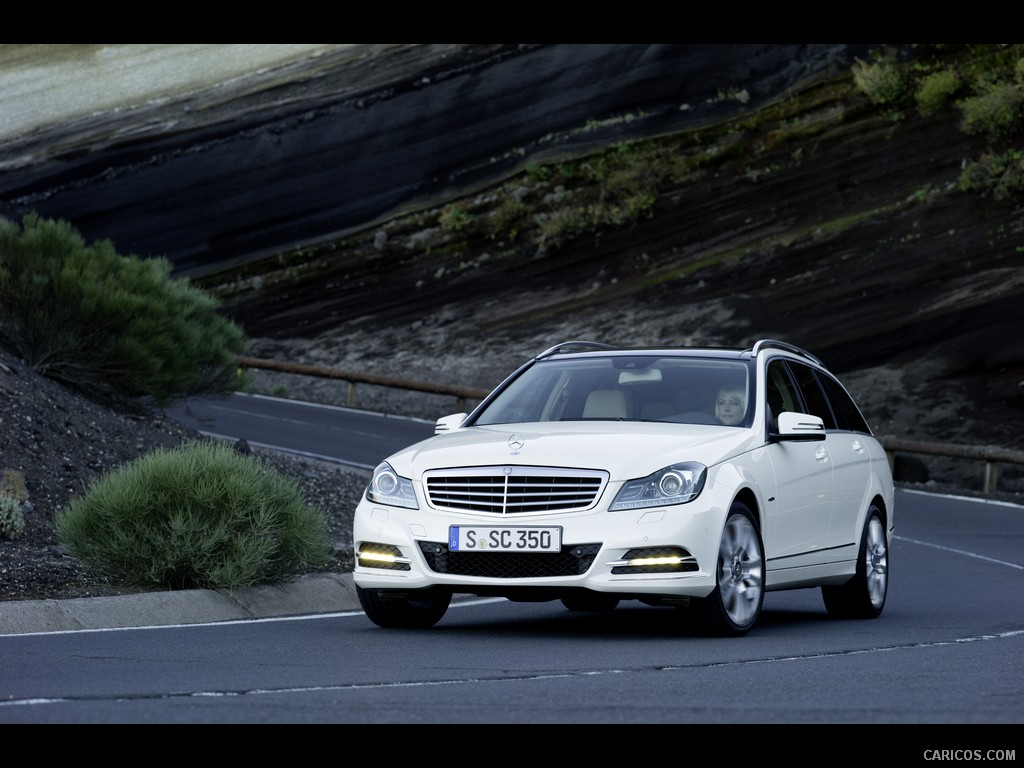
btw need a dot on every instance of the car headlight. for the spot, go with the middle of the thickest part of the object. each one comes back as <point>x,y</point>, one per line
<point>676,484</point>
<point>388,487</point>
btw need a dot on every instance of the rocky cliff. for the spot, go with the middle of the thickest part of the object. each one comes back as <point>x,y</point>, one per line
<point>475,199</point>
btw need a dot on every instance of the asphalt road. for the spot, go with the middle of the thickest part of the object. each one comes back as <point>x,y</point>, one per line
<point>946,651</point>
<point>344,435</point>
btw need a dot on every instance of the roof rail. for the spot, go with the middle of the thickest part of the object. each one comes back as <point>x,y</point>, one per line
<point>565,345</point>
<point>776,344</point>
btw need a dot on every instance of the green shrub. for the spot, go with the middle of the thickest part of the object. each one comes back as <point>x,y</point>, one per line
<point>882,81</point>
<point>999,175</point>
<point>995,111</point>
<point>455,218</point>
<point>12,521</point>
<point>111,325</point>
<point>564,224</point>
<point>508,217</point>
<point>202,516</point>
<point>934,91</point>
<point>635,206</point>
<point>538,174</point>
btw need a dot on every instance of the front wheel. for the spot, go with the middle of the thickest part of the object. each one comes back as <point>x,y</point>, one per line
<point>400,609</point>
<point>863,596</point>
<point>733,608</point>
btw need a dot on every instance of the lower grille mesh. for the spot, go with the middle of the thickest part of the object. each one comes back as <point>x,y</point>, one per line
<point>574,560</point>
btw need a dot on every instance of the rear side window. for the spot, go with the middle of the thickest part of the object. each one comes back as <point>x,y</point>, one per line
<point>813,395</point>
<point>847,413</point>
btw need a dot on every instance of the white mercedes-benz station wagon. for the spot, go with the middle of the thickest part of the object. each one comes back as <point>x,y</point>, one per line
<point>696,479</point>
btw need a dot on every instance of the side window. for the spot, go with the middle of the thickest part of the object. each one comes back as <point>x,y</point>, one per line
<point>846,410</point>
<point>814,397</point>
<point>781,392</point>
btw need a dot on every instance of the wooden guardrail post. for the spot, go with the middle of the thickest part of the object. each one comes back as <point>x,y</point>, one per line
<point>991,455</point>
<point>991,476</point>
<point>461,393</point>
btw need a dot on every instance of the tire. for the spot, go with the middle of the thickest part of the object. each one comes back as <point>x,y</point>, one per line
<point>591,601</point>
<point>863,596</point>
<point>735,605</point>
<point>399,609</point>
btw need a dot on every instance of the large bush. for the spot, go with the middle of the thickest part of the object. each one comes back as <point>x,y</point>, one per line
<point>202,516</point>
<point>882,80</point>
<point>111,325</point>
<point>995,110</point>
<point>935,90</point>
<point>998,174</point>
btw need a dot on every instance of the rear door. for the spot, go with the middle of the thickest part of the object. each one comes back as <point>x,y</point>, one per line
<point>848,452</point>
<point>852,453</point>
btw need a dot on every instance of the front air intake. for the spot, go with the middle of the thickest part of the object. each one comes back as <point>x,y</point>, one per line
<point>574,560</point>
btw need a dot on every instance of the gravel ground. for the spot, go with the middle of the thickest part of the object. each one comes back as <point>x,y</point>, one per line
<point>59,443</point>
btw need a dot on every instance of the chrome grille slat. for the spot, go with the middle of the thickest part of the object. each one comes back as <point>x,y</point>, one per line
<point>514,489</point>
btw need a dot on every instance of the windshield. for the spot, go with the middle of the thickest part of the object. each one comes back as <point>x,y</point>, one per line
<point>635,388</point>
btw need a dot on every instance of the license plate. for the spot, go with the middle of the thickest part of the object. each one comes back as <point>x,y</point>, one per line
<point>478,538</point>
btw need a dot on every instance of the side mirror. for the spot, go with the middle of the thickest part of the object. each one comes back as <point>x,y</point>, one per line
<point>449,423</point>
<point>798,426</point>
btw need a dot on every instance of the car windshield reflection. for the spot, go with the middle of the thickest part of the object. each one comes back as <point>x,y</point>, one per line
<point>711,392</point>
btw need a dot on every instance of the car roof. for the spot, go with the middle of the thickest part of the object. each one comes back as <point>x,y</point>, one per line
<point>597,349</point>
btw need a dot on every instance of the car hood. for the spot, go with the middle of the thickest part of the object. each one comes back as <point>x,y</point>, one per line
<point>644,448</point>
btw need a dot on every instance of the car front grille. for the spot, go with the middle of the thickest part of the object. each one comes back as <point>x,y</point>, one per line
<point>573,560</point>
<point>511,490</point>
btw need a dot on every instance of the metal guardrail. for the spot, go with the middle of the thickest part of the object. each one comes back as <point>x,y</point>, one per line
<point>993,456</point>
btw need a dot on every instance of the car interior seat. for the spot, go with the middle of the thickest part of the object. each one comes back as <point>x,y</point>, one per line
<point>605,404</point>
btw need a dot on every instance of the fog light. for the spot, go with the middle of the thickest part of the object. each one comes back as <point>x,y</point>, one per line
<point>655,560</point>
<point>640,562</point>
<point>387,556</point>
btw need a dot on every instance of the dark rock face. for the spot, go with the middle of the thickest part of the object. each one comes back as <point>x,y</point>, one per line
<point>332,144</point>
<point>826,221</point>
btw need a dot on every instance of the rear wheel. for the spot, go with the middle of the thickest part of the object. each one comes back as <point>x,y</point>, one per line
<point>400,609</point>
<point>733,608</point>
<point>863,596</point>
